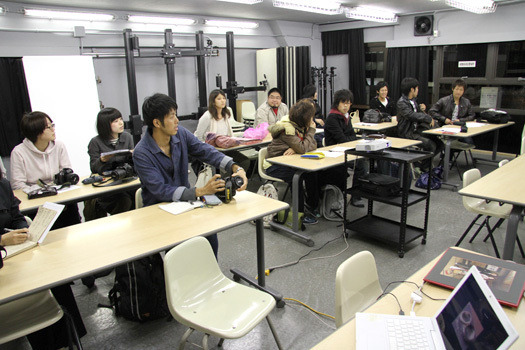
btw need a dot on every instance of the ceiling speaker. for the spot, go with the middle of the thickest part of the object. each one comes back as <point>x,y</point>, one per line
<point>423,25</point>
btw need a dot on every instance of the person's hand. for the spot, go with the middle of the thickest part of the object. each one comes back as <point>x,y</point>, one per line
<point>241,173</point>
<point>432,123</point>
<point>105,158</point>
<point>320,122</point>
<point>14,237</point>
<point>312,123</point>
<point>216,184</point>
<point>448,121</point>
<point>423,107</point>
<point>289,152</point>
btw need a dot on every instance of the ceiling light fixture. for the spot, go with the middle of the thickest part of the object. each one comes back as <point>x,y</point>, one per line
<point>370,14</point>
<point>475,6</point>
<point>314,6</point>
<point>161,20</point>
<point>68,15</point>
<point>2,10</point>
<point>231,24</point>
<point>246,2</point>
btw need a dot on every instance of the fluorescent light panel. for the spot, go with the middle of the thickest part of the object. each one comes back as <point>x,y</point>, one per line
<point>246,2</point>
<point>231,24</point>
<point>68,15</point>
<point>370,14</point>
<point>315,6</point>
<point>161,20</point>
<point>2,10</point>
<point>475,6</point>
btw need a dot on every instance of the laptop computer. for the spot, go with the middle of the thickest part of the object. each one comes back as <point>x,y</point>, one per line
<point>471,318</point>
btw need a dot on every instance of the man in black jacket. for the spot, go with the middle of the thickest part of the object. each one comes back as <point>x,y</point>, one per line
<point>338,129</point>
<point>412,120</point>
<point>454,107</point>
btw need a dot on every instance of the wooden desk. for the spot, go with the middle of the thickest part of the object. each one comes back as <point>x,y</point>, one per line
<point>84,192</point>
<point>81,250</point>
<point>344,337</point>
<point>375,126</point>
<point>302,165</point>
<point>505,185</point>
<point>447,139</point>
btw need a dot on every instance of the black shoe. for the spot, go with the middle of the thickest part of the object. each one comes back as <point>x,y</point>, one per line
<point>89,281</point>
<point>357,202</point>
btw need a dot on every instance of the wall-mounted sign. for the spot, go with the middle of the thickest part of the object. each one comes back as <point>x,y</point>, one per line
<point>467,64</point>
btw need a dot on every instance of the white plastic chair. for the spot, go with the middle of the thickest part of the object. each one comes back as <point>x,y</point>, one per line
<point>502,162</point>
<point>522,151</point>
<point>237,127</point>
<point>262,173</point>
<point>138,199</point>
<point>32,313</point>
<point>248,112</point>
<point>481,207</point>
<point>202,298</point>
<point>356,286</point>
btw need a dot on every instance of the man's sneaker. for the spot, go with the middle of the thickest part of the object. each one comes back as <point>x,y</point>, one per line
<point>310,220</point>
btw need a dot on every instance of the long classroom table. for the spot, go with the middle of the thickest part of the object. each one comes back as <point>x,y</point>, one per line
<point>84,249</point>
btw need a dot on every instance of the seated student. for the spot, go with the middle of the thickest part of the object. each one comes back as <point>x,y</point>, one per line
<point>310,92</point>
<point>381,102</point>
<point>216,120</point>
<point>2,167</point>
<point>412,120</point>
<point>111,137</point>
<point>338,129</point>
<point>56,335</point>
<point>294,134</point>
<point>39,157</point>
<point>161,158</point>
<point>454,108</point>
<point>272,110</point>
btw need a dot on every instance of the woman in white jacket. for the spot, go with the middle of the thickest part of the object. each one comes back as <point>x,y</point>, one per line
<point>39,157</point>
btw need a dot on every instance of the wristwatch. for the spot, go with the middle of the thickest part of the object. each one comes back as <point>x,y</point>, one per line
<point>238,167</point>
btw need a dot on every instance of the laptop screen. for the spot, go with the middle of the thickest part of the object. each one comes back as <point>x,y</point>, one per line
<point>468,321</point>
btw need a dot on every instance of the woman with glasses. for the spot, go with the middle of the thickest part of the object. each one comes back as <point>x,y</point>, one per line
<point>39,157</point>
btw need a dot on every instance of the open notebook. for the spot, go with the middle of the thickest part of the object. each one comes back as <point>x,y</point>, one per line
<point>45,218</point>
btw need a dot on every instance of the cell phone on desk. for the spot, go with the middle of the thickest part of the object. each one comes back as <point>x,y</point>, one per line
<point>211,199</point>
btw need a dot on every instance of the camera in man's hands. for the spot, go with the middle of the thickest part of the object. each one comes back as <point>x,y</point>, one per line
<point>66,175</point>
<point>123,171</point>
<point>231,185</point>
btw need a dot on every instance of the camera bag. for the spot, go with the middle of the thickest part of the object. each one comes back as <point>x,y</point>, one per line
<point>495,117</point>
<point>379,185</point>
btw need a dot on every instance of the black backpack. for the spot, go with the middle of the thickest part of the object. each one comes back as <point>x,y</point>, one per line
<point>375,116</point>
<point>139,293</point>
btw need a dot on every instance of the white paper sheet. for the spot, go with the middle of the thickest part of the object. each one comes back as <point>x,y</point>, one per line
<point>180,207</point>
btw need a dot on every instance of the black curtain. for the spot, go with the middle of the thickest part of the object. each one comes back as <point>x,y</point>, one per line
<point>14,102</point>
<point>281,73</point>
<point>351,43</point>
<point>303,65</point>
<point>405,62</point>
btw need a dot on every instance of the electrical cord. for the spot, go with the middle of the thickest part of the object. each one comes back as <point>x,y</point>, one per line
<point>401,312</point>
<point>310,308</point>
<point>418,286</point>
<point>315,315</point>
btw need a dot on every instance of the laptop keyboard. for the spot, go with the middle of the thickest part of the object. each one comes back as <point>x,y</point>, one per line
<point>407,334</point>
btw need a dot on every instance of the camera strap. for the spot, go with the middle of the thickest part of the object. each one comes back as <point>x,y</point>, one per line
<point>106,183</point>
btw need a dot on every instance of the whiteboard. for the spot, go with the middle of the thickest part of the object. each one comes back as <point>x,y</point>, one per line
<point>64,87</point>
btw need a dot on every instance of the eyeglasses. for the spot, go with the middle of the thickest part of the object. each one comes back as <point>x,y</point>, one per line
<point>52,126</point>
<point>271,97</point>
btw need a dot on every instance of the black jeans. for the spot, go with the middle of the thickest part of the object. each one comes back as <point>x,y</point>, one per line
<point>430,144</point>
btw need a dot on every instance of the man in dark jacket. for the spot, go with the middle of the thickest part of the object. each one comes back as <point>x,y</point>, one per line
<point>454,107</point>
<point>338,129</point>
<point>412,119</point>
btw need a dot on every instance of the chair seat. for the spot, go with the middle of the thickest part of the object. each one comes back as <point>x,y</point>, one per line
<point>27,315</point>
<point>461,146</point>
<point>226,309</point>
<point>492,209</point>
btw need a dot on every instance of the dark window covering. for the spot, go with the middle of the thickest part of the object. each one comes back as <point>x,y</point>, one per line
<point>302,71</point>
<point>14,102</point>
<point>408,62</point>
<point>281,73</point>
<point>351,43</point>
<point>303,78</point>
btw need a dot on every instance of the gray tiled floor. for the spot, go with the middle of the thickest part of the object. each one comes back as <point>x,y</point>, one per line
<point>311,282</point>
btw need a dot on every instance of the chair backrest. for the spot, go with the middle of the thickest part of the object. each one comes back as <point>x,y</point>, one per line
<point>503,162</point>
<point>469,177</point>
<point>138,199</point>
<point>248,110</point>
<point>190,281</point>
<point>522,151</point>
<point>356,286</point>
<point>260,166</point>
<point>324,142</point>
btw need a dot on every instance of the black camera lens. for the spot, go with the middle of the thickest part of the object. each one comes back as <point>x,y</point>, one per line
<point>238,181</point>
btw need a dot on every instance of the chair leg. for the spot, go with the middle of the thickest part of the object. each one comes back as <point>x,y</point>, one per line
<point>184,338</point>
<point>221,341</point>
<point>71,331</point>
<point>467,230</point>
<point>485,222</point>
<point>272,328</point>
<point>205,341</point>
